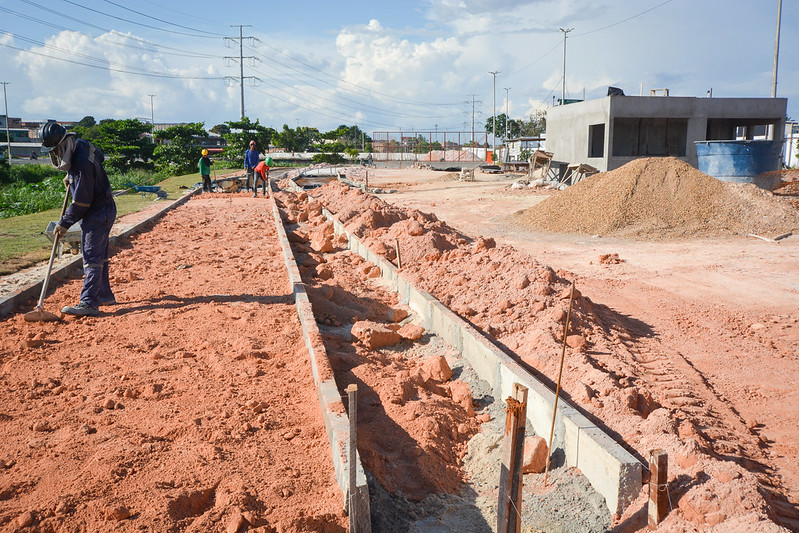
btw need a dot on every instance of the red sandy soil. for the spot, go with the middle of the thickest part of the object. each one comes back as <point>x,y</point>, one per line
<point>413,421</point>
<point>689,345</point>
<point>190,405</point>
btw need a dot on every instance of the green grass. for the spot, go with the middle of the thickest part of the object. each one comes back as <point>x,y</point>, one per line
<point>22,243</point>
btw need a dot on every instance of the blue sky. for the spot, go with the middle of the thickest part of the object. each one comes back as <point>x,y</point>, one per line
<point>382,65</point>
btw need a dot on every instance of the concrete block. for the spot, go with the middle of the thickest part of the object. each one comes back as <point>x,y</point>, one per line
<point>481,354</point>
<point>446,324</point>
<point>420,302</point>
<point>612,470</point>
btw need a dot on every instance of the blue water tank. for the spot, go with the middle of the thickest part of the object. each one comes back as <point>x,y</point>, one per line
<point>738,161</point>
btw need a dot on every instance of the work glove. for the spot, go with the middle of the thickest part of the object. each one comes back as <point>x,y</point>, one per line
<point>66,180</point>
<point>59,231</point>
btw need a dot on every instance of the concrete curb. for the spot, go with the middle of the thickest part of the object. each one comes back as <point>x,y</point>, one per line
<point>612,471</point>
<point>19,297</point>
<point>333,412</point>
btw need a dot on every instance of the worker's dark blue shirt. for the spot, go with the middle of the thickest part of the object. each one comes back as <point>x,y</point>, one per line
<point>92,202</point>
<point>251,159</point>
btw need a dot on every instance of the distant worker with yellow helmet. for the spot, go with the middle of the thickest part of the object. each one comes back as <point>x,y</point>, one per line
<point>205,170</point>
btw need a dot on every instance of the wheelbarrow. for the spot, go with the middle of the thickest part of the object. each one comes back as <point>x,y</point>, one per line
<point>71,238</point>
<point>147,189</point>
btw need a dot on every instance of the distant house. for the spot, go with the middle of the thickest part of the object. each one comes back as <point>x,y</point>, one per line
<point>514,149</point>
<point>608,132</point>
<point>24,137</point>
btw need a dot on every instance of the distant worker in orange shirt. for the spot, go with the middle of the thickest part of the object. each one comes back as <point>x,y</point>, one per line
<point>262,174</point>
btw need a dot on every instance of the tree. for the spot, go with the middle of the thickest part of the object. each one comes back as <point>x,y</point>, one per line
<point>123,142</point>
<point>296,140</point>
<point>533,126</point>
<point>489,126</point>
<point>86,122</point>
<point>220,129</point>
<point>241,133</point>
<point>180,151</point>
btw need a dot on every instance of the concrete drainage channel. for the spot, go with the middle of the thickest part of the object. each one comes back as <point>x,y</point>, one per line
<point>609,477</point>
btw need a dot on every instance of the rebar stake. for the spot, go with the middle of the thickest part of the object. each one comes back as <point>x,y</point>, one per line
<point>658,486</point>
<point>509,516</point>
<point>352,395</point>
<point>557,391</point>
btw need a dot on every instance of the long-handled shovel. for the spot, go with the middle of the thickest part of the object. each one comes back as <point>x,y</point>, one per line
<point>39,314</point>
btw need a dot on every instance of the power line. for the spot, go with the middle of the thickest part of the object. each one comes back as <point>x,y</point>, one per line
<point>137,23</point>
<point>151,74</point>
<point>370,91</point>
<point>160,20</point>
<point>160,47</point>
<point>622,21</point>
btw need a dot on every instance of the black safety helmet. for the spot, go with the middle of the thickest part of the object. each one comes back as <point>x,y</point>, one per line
<point>52,134</point>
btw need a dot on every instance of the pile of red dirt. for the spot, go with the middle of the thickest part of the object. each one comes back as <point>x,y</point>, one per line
<point>660,198</point>
<point>615,369</point>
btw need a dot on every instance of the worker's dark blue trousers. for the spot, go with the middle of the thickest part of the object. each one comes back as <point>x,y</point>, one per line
<point>94,243</point>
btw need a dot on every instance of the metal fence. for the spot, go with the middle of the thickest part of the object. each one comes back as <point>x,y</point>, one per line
<point>429,146</point>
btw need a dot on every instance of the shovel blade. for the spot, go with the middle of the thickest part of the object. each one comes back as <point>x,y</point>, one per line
<point>40,315</point>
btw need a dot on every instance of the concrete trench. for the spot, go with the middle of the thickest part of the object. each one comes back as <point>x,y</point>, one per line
<point>608,469</point>
<point>612,476</point>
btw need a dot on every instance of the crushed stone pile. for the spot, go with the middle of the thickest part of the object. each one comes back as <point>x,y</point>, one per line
<point>661,198</point>
<point>521,304</point>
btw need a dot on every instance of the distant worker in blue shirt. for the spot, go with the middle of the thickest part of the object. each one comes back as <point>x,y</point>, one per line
<point>251,158</point>
<point>92,205</point>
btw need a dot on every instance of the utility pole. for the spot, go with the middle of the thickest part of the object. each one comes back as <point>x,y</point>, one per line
<point>8,136</point>
<point>152,117</point>
<point>563,82</point>
<point>507,111</point>
<point>241,59</point>
<point>473,102</point>
<point>494,116</point>
<point>776,50</point>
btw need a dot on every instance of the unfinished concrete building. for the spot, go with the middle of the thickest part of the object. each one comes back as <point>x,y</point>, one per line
<point>608,132</point>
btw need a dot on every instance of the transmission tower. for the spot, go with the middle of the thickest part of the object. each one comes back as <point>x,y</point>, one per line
<point>241,59</point>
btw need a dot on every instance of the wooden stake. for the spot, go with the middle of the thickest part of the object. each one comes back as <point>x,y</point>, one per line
<point>399,258</point>
<point>366,187</point>
<point>352,394</point>
<point>509,516</point>
<point>557,391</point>
<point>658,487</point>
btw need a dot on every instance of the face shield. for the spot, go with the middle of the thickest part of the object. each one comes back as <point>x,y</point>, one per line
<point>61,154</point>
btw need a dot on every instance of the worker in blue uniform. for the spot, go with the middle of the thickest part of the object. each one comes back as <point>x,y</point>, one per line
<point>92,205</point>
<point>251,159</point>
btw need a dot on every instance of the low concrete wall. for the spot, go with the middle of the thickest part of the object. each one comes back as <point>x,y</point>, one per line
<point>611,470</point>
<point>333,412</point>
<point>17,298</point>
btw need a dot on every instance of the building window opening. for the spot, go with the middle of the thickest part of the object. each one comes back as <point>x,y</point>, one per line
<point>650,137</point>
<point>596,140</point>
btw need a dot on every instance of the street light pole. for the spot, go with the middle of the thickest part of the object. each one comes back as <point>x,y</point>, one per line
<point>776,51</point>
<point>8,136</point>
<point>152,117</point>
<point>507,111</point>
<point>494,116</point>
<point>563,82</point>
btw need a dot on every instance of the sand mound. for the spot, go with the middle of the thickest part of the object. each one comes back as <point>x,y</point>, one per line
<point>661,198</point>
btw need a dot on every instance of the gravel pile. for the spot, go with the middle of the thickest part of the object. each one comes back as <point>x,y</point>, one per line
<point>658,198</point>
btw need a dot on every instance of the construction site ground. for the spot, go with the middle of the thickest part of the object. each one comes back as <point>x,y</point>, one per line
<point>712,335</point>
<point>190,404</point>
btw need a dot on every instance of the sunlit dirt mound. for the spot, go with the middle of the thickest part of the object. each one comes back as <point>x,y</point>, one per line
<point>661,198</point>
